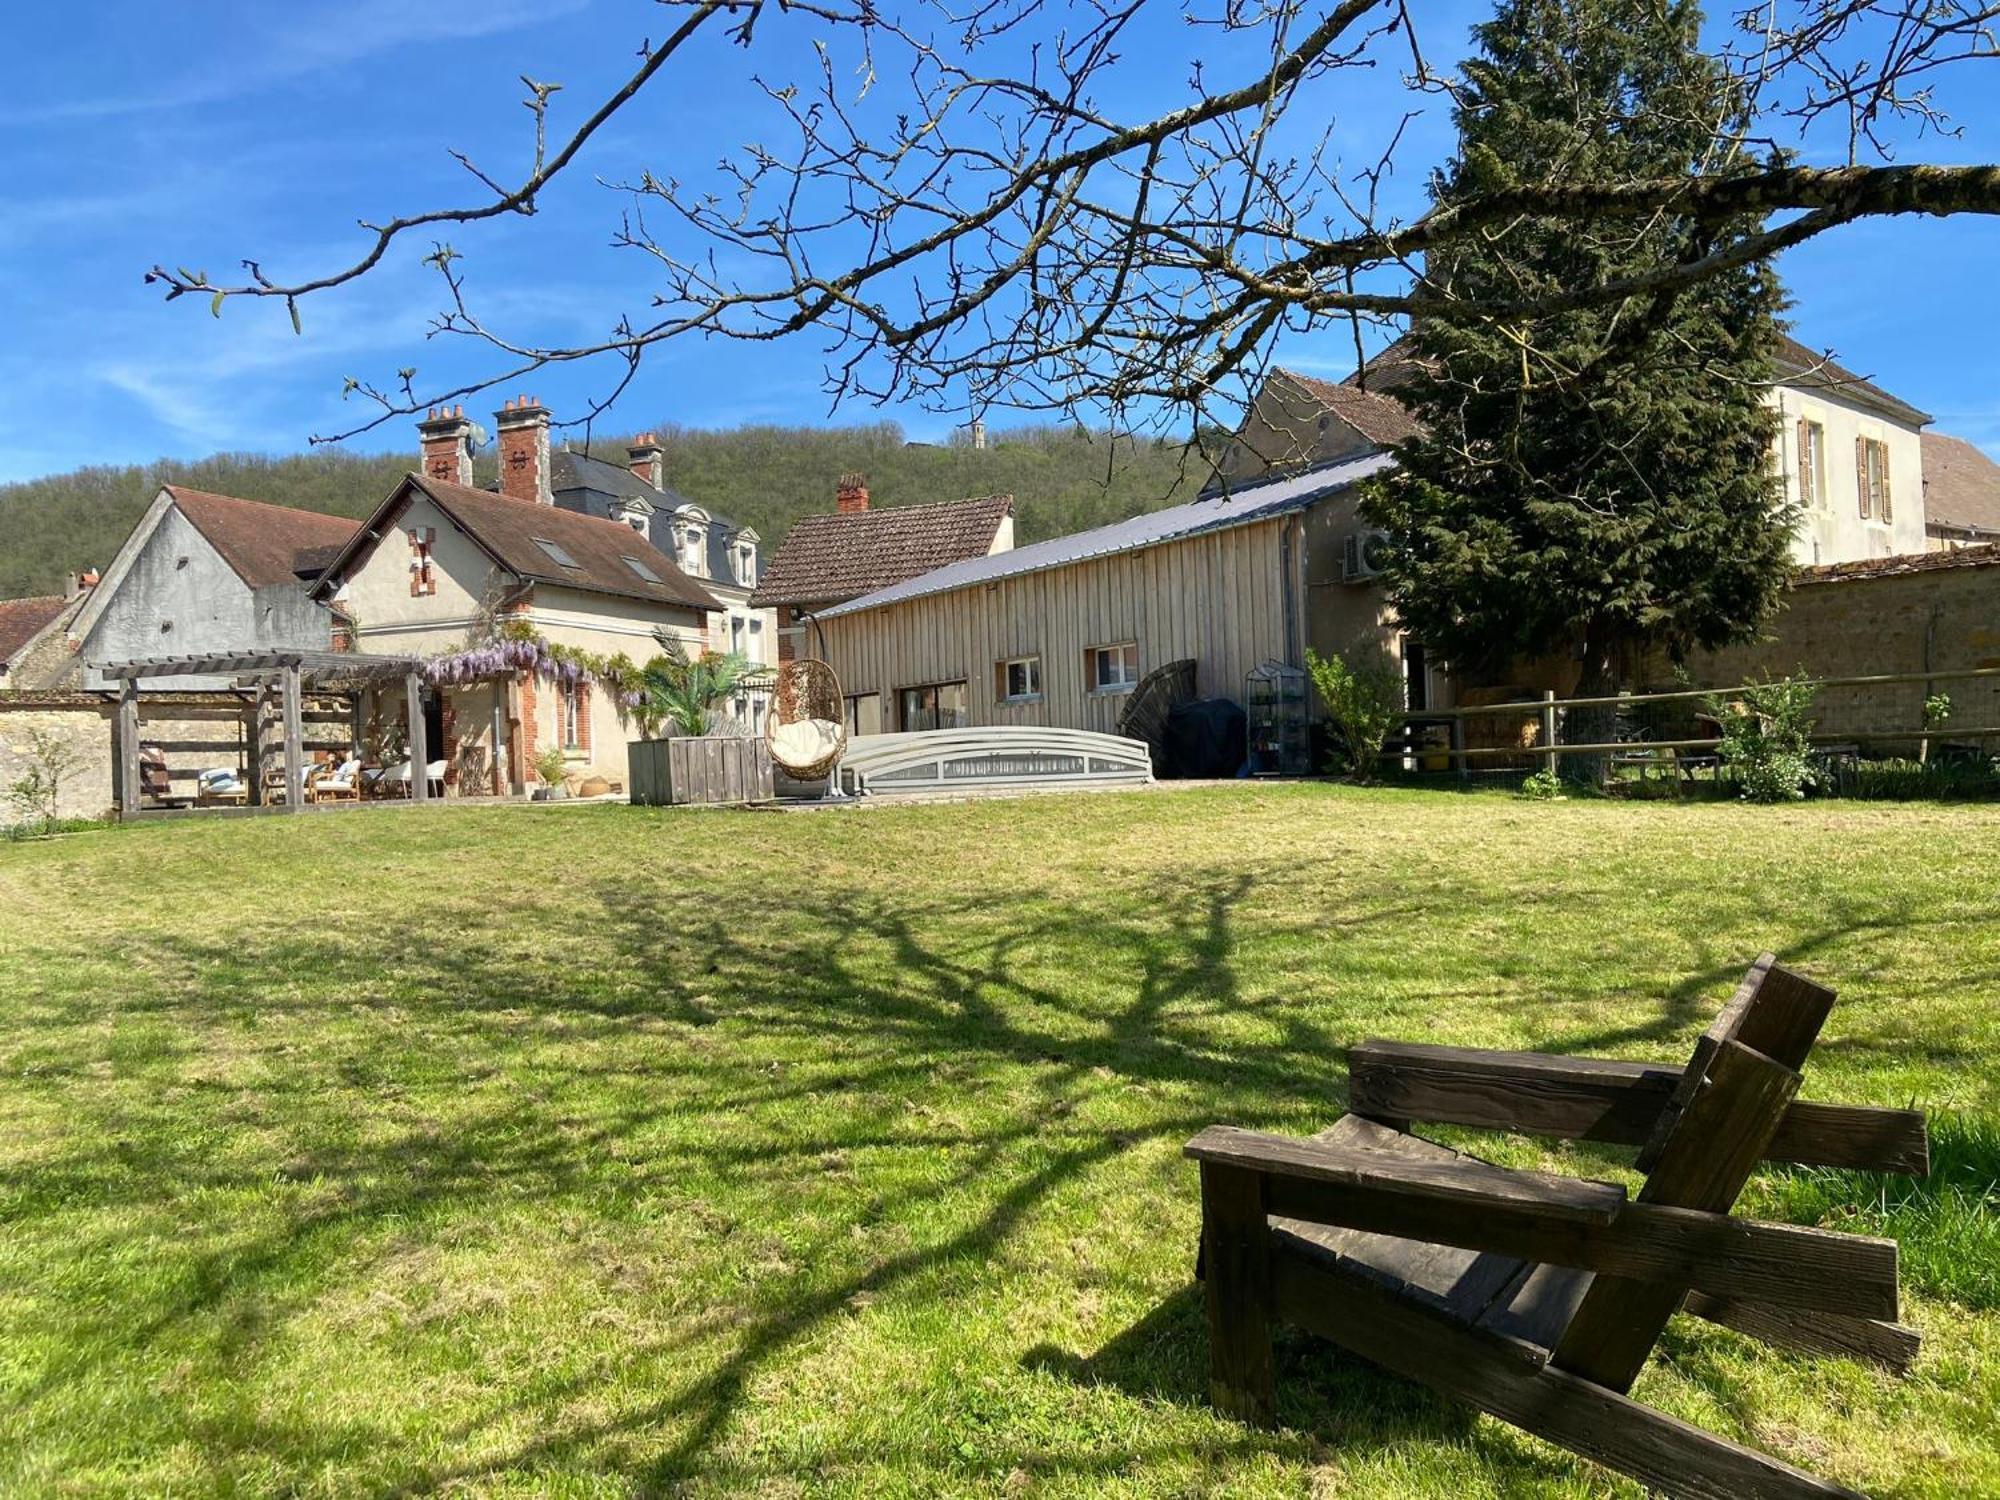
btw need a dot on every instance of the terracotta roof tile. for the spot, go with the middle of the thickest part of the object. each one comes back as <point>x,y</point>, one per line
<point>1381,419</point>
<point>827,559</point>
<point>1961,484</point>
<point>261,542</point>
<point>512,530</point>
<point>21,620</point>
<point>1901,563</point>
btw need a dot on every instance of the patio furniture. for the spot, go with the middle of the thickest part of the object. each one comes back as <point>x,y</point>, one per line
<point>155,781</point>
<point>220,786</point>
<point>395,781</point>
<point>1537,1298</point>
<point>806,729</point>
<point>341,783</point>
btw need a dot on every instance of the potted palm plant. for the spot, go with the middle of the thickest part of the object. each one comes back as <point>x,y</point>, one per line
<point>682,692</point>
<point>680,696</point>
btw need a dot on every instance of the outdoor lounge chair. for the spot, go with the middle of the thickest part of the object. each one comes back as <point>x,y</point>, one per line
<point>220,786</point>
<point>396,780</point>
<point>1537,1298</point>
<point>341,783</point>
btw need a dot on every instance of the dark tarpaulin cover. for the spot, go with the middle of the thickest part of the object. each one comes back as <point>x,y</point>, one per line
<point>1205,738</point>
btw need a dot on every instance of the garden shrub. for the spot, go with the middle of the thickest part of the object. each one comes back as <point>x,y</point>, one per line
<point>1363,693</point>
<point>1767,738</point>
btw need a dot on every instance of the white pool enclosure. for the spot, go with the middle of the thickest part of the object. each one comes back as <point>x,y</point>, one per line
<point>1021,756</point>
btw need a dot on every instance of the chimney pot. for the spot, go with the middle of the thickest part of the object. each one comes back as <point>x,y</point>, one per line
<point>447,446</point>
<point>850,496</point>
<point>647,460</point>
<point>523,432</point>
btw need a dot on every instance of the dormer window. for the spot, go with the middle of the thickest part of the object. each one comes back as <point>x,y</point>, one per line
<point>746,564</point>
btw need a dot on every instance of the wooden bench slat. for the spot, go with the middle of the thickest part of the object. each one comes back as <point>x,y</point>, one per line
<point>1891,1345</point>
<point>1599,1099</point>
<point>1508,1378</point>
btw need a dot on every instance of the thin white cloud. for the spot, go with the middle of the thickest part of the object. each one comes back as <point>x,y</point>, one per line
<point>278,45</point>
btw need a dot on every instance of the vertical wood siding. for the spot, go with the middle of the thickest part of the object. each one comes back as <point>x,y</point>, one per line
<point>1216,597</point>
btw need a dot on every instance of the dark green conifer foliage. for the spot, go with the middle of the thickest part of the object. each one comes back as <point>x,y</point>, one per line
<point>1597,483</point>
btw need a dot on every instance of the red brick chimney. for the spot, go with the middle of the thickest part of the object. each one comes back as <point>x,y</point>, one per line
<point>647,459</point>
<point>523,429</point>
<point>447,439</point>
<point>850,497</point>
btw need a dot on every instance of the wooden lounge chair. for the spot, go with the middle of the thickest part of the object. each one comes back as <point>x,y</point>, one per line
<point>1537,1298</point>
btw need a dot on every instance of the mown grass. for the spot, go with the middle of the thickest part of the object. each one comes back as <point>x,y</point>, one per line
<point>599,1151</point>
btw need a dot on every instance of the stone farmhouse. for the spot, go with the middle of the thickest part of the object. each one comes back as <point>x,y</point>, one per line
<point>440,565</point>
<point>1275,559</point>
<point>203,573</point>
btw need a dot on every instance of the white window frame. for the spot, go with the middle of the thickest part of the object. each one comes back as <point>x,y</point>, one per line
<point>1032,693</point>
<point>1126,654</point>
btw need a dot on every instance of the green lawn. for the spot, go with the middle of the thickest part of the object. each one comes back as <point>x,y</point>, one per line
<point>597,1151</point>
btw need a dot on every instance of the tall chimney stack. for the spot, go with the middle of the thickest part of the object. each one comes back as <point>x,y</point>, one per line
<point>523,429</point>
<point>850,497</point>
<point>647,459</point>
<point>447,436</point>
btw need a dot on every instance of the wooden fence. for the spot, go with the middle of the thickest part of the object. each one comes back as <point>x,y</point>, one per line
<point>717,769</point>
<point>1546,747</point>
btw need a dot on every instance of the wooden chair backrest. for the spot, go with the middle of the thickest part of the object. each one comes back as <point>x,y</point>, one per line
<point>1714,1130</point>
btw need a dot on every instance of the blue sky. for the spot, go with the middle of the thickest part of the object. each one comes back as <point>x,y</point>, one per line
<point>143,135</point>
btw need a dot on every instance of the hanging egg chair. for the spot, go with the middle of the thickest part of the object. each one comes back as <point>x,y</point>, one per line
<point>806,731</point>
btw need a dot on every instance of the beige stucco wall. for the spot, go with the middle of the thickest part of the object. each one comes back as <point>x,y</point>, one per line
<point>1833,531</point>
<point>1341,615</point>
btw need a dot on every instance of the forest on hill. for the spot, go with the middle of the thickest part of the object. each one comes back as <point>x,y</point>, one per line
<point>1062,480</point>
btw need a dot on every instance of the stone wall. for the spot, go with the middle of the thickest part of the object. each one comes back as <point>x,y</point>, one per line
<point>1929,613</point>
<point>78,722</point>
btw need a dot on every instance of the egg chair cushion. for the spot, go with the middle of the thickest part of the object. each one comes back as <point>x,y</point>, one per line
<point>805,743</point>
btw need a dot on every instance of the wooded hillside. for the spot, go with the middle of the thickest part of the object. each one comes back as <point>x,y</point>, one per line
<point>764,477</point>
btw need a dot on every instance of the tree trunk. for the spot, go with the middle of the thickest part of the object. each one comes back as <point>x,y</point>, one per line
<point>1593,725</point>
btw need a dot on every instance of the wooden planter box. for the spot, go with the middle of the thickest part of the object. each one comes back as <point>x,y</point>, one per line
<point>715,769</point>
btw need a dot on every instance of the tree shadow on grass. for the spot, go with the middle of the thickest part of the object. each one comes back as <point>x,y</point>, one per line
<point>860,1010</point>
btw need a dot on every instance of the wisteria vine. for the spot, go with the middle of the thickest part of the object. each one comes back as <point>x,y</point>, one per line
<point>516,646</point>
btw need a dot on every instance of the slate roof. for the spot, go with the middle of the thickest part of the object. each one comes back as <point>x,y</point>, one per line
<point>21,620</point>
<point>507,529</point>
<point>262,543</point>
<point>587,485</point>
<point>1961,484</point>
<point>838,557</point>
<point>1213,510</point>
<point>1984,556</point>
<point>1380,419</point>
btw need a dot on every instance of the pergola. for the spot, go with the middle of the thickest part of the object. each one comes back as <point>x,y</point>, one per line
<point>293,670</point>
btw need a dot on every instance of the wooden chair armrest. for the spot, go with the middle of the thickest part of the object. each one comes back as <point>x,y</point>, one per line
<point>1562,1221</point>
<point>1596,1099</point>
<point>1457,1184</point>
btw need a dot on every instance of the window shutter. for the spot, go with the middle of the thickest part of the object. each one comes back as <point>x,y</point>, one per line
<point>1861,473</point>
<point>1806,495</point>
<point>1882,460</point>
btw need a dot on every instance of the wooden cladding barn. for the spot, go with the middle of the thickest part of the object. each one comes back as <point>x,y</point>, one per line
<point>1221,580</point>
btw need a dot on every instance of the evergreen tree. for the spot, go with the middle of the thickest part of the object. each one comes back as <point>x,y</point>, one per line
<point>1599,483</point>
